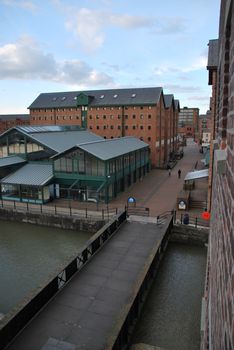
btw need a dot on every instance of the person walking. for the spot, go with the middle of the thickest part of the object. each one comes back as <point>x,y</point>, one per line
<point>169,171</point>
<point>179,173</point>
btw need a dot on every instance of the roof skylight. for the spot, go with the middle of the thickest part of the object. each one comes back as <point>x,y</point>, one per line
<point>54,98</point>
<point>102,96</point>
<point>133,95</point>
<point>115,96</point>
<point>63,98</point>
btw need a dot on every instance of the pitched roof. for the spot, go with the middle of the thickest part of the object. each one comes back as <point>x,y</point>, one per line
<point>12,160</point>
<point>30,174</point>
<point>110,148</point>
<point>56,138</point>
<point>177,105</point>
<point>14,116</point>
<point>169,99</point>
<point>110,97</point>
<point>60,141</point>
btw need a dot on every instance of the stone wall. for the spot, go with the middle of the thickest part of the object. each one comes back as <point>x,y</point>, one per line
<point>68,223</point>
<point>189,235</point>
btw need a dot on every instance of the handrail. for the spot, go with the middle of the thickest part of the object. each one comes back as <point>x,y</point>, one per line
<point>137,210</point>
<point>102,214</point>
<point>191,219</point>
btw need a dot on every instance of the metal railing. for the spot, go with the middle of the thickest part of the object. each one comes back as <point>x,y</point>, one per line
<point>102,214</point>
<point>183,219</point>
<point>137,210</point>
<point>11,325</point>
<point>161,218</point>
<point>193,221</point>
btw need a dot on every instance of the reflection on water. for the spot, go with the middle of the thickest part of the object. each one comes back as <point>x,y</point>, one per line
<point>171,315</point>
<point>29,254</point>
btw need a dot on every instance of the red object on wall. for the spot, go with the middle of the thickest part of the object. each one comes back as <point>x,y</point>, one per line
<point>205,215</point>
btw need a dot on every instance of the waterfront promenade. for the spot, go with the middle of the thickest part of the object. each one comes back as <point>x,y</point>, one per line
<point>89,311</point>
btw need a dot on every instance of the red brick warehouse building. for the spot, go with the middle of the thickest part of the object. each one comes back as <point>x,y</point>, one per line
<point>145,113</point>
<point>219,292</point>
<point>8,121</point>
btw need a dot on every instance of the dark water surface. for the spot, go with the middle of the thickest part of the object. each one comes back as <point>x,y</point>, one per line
<point>171,315</point>
<point>29,254</point>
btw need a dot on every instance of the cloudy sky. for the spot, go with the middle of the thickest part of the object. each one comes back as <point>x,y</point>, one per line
<point>64,45</point>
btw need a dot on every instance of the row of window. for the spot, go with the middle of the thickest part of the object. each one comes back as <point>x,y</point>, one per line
<point>85,108</point>
<point>141,138</point>
<point>119,116</point>
<point>112,127</point>
<point>62,117</point>
<point>90,117</point>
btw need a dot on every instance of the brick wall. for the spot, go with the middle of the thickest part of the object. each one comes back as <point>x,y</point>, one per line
<point>219,330</point>
<point>144,122</point>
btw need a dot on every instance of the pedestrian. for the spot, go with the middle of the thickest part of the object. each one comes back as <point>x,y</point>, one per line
<point>179,173</point>
<point>169,171</point>
<point>186,219</point>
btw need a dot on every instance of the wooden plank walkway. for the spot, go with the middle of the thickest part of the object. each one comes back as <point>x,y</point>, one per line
<point>83,315</point>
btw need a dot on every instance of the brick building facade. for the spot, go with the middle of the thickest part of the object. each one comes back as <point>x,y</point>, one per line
<point>205,127</point>
<point>8,121</point>
<point>140,112</point>
<point>219,294</point>
<point>188,122</point>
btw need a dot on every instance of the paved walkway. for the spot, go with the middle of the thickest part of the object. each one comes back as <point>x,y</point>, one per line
<point>86,312</point>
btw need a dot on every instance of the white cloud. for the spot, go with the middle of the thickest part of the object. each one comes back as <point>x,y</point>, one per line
<point>129,22</point>
<point>175,88</point>
<point>167,26</point>
<point>26,60</point>
<point>90,26</point>
<point>27,5</point>
<point>199,98</point>
<point>87,25</point>
<point>198,64</point>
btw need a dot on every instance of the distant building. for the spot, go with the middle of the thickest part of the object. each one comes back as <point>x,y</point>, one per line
<point>205,129</point>
<point>139,112</point>
<point>7,121</point>
<point>188,122</point>
<point>45,162</point>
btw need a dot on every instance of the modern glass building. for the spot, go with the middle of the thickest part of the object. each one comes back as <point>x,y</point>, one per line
<point>42,163</point>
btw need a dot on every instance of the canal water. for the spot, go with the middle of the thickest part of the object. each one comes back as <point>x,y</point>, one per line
<point>171,315</point>
<point>29,255</point>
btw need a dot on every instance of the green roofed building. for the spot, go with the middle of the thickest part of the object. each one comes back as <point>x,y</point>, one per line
<point>40,163</point>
